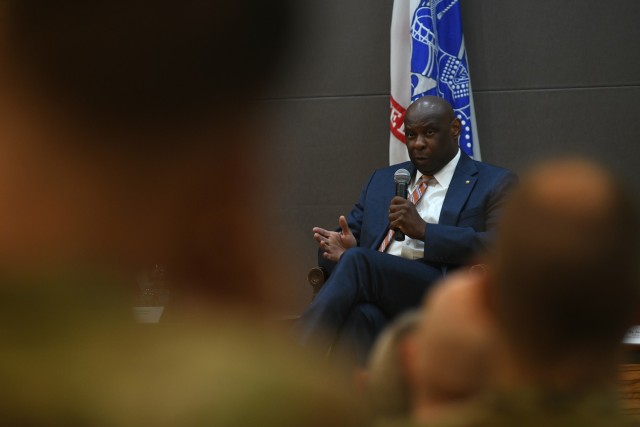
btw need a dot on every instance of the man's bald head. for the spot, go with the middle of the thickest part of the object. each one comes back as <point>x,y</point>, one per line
<point>430,106</point>
<point>566,261</point>
<point>454,339</point>
<point>431,132</point>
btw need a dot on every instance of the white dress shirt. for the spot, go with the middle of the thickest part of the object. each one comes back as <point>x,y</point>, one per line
<point>428,207</point>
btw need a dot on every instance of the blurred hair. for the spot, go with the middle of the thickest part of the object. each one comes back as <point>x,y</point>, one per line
<point>143,64</point>
<point>566,262</point>
<point>388,391</point>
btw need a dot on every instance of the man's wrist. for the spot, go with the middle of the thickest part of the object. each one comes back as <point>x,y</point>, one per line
<point>423,231</point>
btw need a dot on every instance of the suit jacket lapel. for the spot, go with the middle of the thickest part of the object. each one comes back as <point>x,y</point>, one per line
<point>463,181</point>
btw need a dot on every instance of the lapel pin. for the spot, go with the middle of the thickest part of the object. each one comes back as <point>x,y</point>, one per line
<point>467,181</point>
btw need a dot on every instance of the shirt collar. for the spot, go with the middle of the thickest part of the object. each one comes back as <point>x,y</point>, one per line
<point>444,175</point>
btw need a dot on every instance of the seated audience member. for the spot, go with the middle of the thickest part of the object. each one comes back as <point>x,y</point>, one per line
<point>454,205</point>
<point>562,290</point>
<point>124,141</point>
<point>428,365</point>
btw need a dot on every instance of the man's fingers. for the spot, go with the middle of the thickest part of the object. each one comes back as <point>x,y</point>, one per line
<point>344,226</point>
<point>398,210</point>
<point>398,225</point>
<point>399,203</point>
<point>397,200</point>
<point>321,240</point>
<point>330,256</point>
<point>321,231</point>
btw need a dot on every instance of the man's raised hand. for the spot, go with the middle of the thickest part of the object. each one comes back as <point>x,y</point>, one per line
<point>335,243</point>
<point>404,216</point>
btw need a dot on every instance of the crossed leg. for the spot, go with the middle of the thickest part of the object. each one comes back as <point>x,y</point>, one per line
<point>390,283</point>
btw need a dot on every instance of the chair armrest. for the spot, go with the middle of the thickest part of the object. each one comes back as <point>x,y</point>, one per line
<point>316,277</point>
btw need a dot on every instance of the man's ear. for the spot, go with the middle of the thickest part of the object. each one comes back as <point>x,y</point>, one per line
<point>456,127</point>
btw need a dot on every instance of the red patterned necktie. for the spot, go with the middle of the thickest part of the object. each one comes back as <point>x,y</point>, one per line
<point>414,198</point>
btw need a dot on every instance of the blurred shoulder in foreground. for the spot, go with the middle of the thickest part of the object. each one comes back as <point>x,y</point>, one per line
<point>128,137</point>
<point>75,359</point>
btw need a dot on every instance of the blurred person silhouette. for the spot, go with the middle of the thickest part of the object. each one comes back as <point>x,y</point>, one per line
<point>128,137</point>
<point>433,361</point>
<point>561,292</point>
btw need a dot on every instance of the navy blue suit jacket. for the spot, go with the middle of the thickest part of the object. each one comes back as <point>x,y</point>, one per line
<point>470,211</point>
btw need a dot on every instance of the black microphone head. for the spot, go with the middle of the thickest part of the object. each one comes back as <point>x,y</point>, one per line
<point>402,176</point>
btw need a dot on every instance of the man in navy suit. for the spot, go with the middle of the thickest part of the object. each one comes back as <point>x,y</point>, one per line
<point>449,223</point>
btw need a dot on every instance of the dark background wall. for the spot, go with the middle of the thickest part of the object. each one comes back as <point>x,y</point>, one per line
<point>548,77</point>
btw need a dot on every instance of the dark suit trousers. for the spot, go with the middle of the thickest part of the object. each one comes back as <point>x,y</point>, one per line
<point>341,312</point>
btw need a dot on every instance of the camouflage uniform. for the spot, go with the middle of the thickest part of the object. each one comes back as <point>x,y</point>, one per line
<point>538,409</point>
<point>71,356</point>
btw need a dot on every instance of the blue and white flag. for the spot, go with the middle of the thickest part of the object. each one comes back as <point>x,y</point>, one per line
<point>428,57</point>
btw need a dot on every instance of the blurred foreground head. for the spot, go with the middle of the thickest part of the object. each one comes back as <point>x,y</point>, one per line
<point>150,65</point>
<point>429,363</point>
<point>454,357</point>
<point>387,386</point>
<point>565,269</point>
<point>128,132</point>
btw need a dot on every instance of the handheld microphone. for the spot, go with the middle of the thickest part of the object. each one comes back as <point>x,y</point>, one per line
<point>402,177</point>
